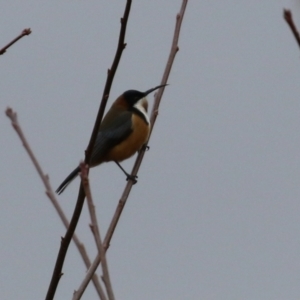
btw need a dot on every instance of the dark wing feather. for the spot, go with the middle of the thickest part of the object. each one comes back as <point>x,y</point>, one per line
<point>111,135</point>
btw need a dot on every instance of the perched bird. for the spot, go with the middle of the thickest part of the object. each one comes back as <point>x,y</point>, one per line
<point>123,131</point>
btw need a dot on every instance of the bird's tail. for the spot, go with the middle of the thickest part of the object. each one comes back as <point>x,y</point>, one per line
<point>66,182</point>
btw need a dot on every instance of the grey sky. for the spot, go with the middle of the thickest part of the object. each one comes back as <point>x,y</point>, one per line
<point>215,213</point>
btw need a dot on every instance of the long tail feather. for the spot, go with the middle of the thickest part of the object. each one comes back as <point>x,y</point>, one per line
<point>66,182</point>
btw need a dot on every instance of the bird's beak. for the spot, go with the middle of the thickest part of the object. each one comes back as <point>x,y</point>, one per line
<point>153,89</point>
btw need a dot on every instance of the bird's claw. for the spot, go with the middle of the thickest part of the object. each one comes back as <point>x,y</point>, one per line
<point>133,178</point>
<point>145,148</point>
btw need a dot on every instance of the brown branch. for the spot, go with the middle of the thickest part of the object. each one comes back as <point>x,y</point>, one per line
<point>26,31</point>
<point>287,15</point>
<point>81,195</point>
<point>96,232</point>
<point>49,192</point>
<point>122,201</point>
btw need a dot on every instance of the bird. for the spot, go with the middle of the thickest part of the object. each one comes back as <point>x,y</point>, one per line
<point>123,131</point>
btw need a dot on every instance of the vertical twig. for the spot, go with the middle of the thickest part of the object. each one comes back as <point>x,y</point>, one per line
<point>96,233</point>
<point>80,199</point>
<point>122,201</point>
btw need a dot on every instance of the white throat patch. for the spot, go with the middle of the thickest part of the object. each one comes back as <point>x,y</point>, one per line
<point>142,105</point>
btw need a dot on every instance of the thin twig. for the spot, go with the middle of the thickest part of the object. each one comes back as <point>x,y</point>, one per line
<point>96,233</point>
<point>122,201</point>
<point>81,195</point>
<point>49,192</point>
<point>26,31</point>
<point>287,15</point>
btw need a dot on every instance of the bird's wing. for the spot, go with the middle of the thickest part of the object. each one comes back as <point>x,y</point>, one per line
<point>111,134</point>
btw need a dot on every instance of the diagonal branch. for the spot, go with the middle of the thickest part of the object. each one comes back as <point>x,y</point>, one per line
<point>287,15</point>
<point>49,192</point>
<point>26,31</point>
<point>122,201</point>
<point>81,195</point>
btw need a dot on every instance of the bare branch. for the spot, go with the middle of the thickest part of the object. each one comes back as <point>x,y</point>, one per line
<point>96,233</point>
<point>122,201</point>
<point>287,15</point>
<point>26,31</point>
<point>81,195</point>
<point>49,192</point>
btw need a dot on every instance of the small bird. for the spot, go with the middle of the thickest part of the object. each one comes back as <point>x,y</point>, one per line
<point>123,131</point>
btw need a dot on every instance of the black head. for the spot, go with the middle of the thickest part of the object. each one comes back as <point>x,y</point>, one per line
<point>133,96</point>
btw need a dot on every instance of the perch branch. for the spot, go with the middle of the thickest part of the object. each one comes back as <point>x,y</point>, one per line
<point>122,201</point>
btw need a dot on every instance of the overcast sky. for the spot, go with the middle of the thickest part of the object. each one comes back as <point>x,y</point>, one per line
<point>215,213</point>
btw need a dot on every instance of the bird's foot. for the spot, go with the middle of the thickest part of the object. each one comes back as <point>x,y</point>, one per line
<point>133,178</point>
<point>145,148</point>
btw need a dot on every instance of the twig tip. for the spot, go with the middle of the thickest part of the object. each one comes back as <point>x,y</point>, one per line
<point>11,114</point>
<point>26,31</point>
<point>287,14</point>
<point>8,111</point>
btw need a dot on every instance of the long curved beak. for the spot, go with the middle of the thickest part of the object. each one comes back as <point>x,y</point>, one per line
<point>153,89</point>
